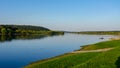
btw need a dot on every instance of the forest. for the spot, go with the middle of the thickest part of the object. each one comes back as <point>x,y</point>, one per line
<point>26,30</point>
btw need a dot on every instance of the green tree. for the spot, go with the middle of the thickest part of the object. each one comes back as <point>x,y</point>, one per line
<point>4,31</point>
<point>9,31</point>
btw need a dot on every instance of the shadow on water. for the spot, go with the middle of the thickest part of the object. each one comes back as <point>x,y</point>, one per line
<point>117,63</point>
<point>6,38</point>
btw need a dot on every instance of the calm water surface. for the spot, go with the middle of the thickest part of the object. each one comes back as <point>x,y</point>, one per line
<point>18,53</point>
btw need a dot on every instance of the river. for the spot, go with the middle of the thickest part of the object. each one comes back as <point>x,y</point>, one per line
<point>16,53</point>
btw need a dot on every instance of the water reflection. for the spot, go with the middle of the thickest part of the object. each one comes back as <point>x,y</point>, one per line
<point>5,38</point>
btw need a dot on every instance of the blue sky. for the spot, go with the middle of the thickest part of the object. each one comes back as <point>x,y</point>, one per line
<point>69,15</point>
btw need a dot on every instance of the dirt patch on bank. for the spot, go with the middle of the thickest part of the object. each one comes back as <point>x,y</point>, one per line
<point>98,50</point>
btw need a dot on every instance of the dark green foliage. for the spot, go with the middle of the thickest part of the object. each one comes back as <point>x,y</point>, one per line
<point>3,31</point>
<point>9,32</point>
<point>20,29</point>
<point>26,27</point>
<point>117,63</point>
<point>26,30</point>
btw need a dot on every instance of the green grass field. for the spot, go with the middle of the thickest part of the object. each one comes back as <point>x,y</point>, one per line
<point>108,59</point>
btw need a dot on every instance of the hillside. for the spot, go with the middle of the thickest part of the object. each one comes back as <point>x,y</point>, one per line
<point>25,27</point>
<point>26,30</point>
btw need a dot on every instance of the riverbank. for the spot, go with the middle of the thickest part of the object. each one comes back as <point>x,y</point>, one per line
<point>104,59</point>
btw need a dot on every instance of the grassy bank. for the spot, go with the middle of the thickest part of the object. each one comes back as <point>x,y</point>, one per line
<point>107,59</point>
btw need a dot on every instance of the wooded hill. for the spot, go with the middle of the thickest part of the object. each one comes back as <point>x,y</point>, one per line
<point>26,30</point>
<point>24,27</point>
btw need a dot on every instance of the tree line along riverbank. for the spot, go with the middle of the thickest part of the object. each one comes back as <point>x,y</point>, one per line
<point>26,30</point>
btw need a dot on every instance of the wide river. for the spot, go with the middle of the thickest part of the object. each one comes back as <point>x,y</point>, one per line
<point>17,53</point>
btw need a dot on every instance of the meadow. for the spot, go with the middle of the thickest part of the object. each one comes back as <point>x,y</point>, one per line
<point>107,59</point>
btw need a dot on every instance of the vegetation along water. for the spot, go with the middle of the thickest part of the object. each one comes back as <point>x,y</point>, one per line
<point>105,59</point>
<point>23,46</point>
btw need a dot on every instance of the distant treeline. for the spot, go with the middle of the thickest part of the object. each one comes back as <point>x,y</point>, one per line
<point>100,32</point>
<point>25,30</point>
<point>25,27</point>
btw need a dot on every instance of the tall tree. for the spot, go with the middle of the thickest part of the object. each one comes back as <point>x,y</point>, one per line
<point>4,31</point>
